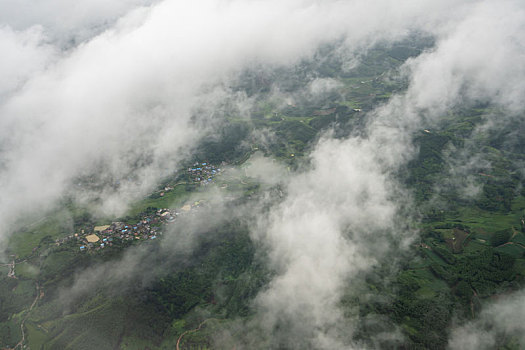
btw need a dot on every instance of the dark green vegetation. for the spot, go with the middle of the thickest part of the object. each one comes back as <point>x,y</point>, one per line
<point>219,278</point>
<point>471,246</point>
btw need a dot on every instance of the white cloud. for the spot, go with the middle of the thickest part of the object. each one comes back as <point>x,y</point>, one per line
<point>128,92</point>
<point>501,321</point>
<point>336,220</point>
<point>23,54</point>
<point>350,188</point>
<point>65,24</point>
<point>480,58</point>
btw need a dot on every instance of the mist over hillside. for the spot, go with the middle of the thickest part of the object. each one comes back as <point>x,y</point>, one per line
<point>262,174</point>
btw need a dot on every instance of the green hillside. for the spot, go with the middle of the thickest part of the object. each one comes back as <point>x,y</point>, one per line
<point>469,250</point>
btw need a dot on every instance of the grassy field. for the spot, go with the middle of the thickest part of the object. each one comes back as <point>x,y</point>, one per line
<point>26,288</point>
<point>10,333</point>
<point>27,270</point>
<point>22,243</point>
<point>513,250</point>
<point>171,199</point>
<point>433,257</point>
<point>430,286</point>
<point>488,221</point>
<point>100,327</point>
<point>519,238</point>
<point>475,247</point>
<point>36,336</point>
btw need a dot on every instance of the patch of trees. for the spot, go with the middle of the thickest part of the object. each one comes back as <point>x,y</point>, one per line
<point>221,273</point>
<point>295,130</point>
<point>449,225</point>
<point>324,122</point>
<point>225,145</point>
<point>483,271</point>
<point>464,292</point>
<point>497,196</point>
<point>149,211</point>
<point>444,254</point>
<point>11,303</point>
<point>500,237</point>
<point>442,273</point>
<point>401,53</point>
<point>433,215</point>
<point>423,170</point>
<point>61,262</point>
<point>428,319</point>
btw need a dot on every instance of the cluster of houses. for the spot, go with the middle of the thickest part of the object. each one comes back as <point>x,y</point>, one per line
<point>104,236</point>
<point>203,173</point>
<point>166,189</point>
<point>148,228</point>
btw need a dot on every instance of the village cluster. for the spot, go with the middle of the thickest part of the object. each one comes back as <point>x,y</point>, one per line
<point>148,228</point>
<point>203,173</point>
<point>199,173</point>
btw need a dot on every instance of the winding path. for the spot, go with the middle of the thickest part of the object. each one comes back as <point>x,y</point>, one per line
<point>39,295</point>
<point>511,243</point>
<point>192,330</point>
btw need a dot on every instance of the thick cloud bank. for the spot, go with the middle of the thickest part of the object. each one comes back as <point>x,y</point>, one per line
<point>66,25</point>
<point>125,97</point>
<point>331,227</point>
<point>324,232</point>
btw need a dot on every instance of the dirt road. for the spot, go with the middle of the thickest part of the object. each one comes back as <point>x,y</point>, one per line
<point>191,331</point>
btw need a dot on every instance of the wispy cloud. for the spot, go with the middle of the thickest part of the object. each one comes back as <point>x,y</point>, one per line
<point>499,323</point>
